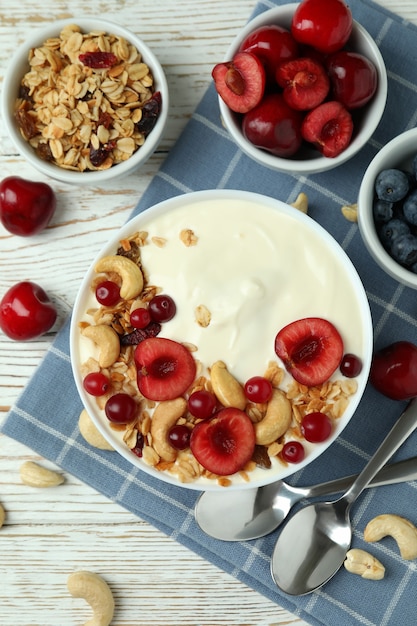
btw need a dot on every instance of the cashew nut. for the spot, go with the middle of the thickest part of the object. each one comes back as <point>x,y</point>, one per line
<point>364,564</point>
<point>129,272</point>
<point>301,202</point>
<point>91,433</point>
<point>399,528</point>
<point>35,475</point>
<point>96,592</point>
<point>277,419</point>
<point>164,417</point>
<point>107,340</point>
<point>2,516</point>
<point>350,212</point>
<point>226,388</point>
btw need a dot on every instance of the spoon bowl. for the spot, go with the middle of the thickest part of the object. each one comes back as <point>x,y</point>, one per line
<point>312,546</point>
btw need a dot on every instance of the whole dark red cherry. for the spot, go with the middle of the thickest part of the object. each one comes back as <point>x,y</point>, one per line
<point>26,206</point>
<point>272,44</point>
<point>323,24</point>
<point>394,370</point>
<point>274,126</point>
<point>26,312</point>
<point>353,77</point>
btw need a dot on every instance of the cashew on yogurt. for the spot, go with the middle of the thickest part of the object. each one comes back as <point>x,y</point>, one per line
<point>107,331</point>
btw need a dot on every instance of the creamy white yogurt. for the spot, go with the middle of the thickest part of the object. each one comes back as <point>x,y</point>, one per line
<point>255,270</point>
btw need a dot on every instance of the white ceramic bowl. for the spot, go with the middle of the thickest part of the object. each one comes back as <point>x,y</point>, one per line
<point>397,153</point>
<point>274,286</point>
<point>309,160</point>
<point>19,65</point>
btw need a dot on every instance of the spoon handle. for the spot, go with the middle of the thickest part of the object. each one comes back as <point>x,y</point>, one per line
<point>401,430</point>
<point>398,472</point>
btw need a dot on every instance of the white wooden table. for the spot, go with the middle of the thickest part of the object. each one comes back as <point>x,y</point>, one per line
<point>50,533</point>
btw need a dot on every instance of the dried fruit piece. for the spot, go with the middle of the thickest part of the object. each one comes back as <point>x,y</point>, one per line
<point>150,113</point>
<point>311,350</point>
<point>224,443</point>
<point>140,334</point>
<point>98,60</point>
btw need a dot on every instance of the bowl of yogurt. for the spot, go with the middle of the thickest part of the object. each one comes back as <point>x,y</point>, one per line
<point>174,339</point>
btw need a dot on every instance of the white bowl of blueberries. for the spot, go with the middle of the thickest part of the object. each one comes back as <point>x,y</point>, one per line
<point>387,208</point>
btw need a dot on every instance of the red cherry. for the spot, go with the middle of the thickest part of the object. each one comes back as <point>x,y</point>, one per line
<point>26,207</point>
<point>240,82</point>
<point>274,126</point>
<point>140,318</point>
<point>179,436</point>
<point>26,312</point>
<point>293,452</point>
<point>258,389</point>
<point>162,308</point>
<point>323,24</point>
<point>272,44</point>
<point>316,427</point>
<point>394,370</point>
<point>202,404</point>
<point>108,293</point>
<point>350,366</point>
<point>354,78</point>
<point>121,408</point>
<point>96,383</point>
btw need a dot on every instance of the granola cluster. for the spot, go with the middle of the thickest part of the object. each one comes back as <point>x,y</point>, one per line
<point>88,100</point>
<point>331,398</point>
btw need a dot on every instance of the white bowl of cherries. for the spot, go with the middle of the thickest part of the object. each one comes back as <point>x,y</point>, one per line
<point>302,87</point>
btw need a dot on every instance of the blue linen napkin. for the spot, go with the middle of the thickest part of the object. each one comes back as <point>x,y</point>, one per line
<point>45,416</point>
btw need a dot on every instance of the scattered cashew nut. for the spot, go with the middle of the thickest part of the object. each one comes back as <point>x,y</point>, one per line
<point>107,341</point>
<point>350,212</point>
<point>276,421</point>
<point>226,388</point>
<point>364,564</point>
<point>2,515</point>
<point>91,433</point>
<point>130,274</point>
<point>399,528</point>
<point>301,203</point>
<point>164,417</point>
<point>35,475</point>
<point>96,592</point>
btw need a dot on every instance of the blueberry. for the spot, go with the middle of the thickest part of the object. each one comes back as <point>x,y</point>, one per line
<point>410,208</point>
<point>391,230</point>
<point>414,167</point>
<point>383,211</point>
<point>392,185</point>
<point>404,249</point>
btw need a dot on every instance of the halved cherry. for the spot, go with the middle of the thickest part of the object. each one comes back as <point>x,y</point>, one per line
<point>240,82</point>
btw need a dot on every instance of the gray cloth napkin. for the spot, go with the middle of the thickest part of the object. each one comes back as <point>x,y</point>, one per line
<point>45,416</point>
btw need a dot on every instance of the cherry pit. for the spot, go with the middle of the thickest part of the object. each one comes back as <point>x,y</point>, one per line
<point>300,85</point>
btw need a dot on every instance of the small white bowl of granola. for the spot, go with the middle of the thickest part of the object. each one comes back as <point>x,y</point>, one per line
<point>85,100</point>
<point>186,330</point>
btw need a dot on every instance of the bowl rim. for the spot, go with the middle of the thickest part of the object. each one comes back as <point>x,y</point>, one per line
<point>365,216</point>
<point>216,195</point>
<point>12,79</point>
<point>320,163</point>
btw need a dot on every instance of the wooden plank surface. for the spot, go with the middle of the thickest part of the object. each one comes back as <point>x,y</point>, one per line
<point>50,533</point>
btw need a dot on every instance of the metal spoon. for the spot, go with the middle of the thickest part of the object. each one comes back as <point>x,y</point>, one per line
<point>313,544</point>
<point>254,513</point>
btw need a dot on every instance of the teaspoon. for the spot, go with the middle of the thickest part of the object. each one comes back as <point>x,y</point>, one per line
<point>312,546</point>
<point>253,513</point>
